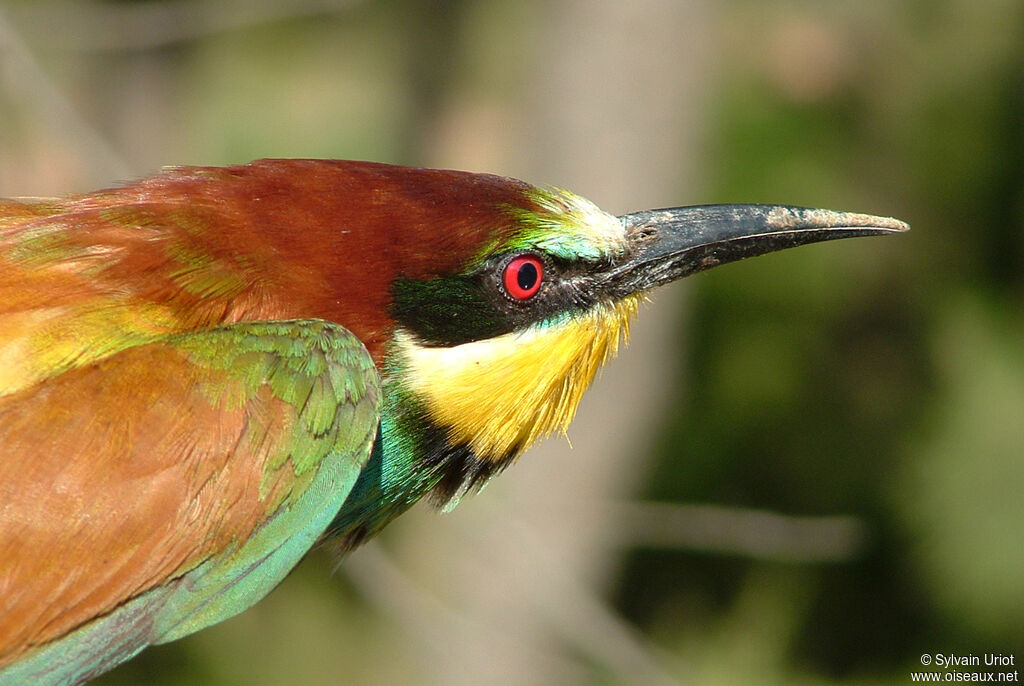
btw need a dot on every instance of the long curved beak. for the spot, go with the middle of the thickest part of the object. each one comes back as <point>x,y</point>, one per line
<point>668,244</point>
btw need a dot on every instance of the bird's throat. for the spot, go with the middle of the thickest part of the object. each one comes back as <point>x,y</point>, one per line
<point>499,395</point>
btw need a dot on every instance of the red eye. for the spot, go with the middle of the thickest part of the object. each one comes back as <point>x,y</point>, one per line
<point>523,276</point>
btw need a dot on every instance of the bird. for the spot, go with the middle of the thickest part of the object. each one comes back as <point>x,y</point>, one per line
<point>205,372</point>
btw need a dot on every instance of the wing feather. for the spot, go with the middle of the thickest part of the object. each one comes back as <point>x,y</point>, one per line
<point>214,458</point>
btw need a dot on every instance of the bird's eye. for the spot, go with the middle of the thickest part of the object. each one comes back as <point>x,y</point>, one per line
<point>523,276</point>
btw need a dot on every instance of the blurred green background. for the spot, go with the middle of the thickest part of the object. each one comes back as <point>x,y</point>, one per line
<point>808,468</point>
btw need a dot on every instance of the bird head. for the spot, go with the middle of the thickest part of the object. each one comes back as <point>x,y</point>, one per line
<point>498,353</point>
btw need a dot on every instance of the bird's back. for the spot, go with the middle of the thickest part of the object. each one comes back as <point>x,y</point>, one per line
<point>156,414</point>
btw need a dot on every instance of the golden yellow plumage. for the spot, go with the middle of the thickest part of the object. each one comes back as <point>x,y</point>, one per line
<point>504,393</point>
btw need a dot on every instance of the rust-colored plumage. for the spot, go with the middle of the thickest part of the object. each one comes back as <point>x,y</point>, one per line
<point>152,496</point>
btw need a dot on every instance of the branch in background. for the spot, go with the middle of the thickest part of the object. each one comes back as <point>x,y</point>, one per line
<point>735,531</point>
<point>573,612</point>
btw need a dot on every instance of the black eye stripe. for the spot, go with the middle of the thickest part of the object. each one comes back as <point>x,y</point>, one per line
<point>461,308</point>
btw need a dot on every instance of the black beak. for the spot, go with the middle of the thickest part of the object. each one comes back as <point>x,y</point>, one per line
<point>665,245</point>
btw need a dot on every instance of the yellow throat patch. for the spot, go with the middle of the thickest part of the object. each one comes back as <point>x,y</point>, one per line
<point>501,394</point>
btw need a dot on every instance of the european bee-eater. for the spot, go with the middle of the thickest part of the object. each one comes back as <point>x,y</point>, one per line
<point>204,372</point>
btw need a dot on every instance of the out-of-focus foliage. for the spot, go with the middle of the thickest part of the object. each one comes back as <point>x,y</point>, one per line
<point>877,380</point>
